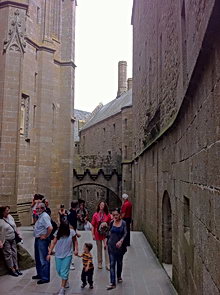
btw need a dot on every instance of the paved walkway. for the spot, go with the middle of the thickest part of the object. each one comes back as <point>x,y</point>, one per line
<point>142,273</point>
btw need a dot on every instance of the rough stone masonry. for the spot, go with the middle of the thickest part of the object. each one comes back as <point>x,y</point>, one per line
<point>36,102</point>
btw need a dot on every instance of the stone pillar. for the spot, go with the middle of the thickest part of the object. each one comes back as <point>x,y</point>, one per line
<point>129,82</point>
<point>122,77</point>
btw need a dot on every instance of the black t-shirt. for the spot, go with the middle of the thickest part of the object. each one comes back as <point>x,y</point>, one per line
<point>72,218</point>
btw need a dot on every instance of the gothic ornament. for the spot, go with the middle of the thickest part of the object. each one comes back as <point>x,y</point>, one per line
<point>15,40</point>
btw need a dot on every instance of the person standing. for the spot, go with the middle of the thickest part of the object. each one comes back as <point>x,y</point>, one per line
<point>101,216</point>
<point>48,210</point>
<point>126,214</point>
<point>62,215</point>
<point>8,242</point>
<point>82,216</point>
<point>42,231</point>
<point>116,247</point>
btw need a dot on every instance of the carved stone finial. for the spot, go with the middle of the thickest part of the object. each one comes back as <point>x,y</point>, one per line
<point>15,40</point>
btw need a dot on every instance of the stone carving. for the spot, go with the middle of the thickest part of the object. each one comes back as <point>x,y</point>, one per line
<point>15,40</point>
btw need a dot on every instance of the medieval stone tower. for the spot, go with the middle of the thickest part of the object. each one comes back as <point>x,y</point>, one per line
<point>36,102</point>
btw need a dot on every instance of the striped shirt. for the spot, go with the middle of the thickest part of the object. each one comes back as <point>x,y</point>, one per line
<point>87,258</point>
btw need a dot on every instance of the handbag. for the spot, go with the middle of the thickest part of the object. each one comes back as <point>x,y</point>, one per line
<point>18,239</point>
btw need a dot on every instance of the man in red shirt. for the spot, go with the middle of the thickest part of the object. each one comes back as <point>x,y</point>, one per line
<point>126,214</point>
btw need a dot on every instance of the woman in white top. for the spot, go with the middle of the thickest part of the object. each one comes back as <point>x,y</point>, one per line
<point>7,241</point>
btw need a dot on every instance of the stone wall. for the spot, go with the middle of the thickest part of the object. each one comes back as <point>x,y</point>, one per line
<point>175,180</point>
<point>38,158</point>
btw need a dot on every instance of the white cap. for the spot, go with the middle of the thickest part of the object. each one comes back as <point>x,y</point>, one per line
<point>125,196</point>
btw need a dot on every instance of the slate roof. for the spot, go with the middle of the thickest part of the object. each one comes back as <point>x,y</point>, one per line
<point>110,109</point>
<point>79,115</point>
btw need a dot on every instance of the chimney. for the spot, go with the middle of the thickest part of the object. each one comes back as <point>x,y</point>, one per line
<point>129,82</point>
<point>122,77</point>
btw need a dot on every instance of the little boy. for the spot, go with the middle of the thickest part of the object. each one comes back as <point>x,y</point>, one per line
<point>88,267</point>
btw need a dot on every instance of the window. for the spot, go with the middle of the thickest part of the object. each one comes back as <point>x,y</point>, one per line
<point>186,218</point>
<point>126,152</point>
<point>24,115</point>
<point>34,116</point>
<point>38,15</point>
<point>35,82</point>
<point>114,127</point>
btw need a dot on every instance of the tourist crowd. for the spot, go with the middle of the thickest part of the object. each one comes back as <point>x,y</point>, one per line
<point>110,231</point>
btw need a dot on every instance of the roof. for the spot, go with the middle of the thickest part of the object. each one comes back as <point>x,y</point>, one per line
<point>79,116</point>
<point>110,109</point>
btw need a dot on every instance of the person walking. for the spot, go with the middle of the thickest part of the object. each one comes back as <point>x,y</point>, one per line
<point>63,240</point>
<point>100,219</point>
<point>126,214</point>
<point>88,267</point>
<point>72,218</point>
<point>8,232</point>
<point>42,231</point>
<point>116,247</point>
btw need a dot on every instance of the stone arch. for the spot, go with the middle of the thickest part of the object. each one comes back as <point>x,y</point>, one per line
<point>166,229</point>
<point>88,193</point>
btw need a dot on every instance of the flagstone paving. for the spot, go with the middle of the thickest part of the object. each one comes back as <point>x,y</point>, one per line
<point>142,273</point>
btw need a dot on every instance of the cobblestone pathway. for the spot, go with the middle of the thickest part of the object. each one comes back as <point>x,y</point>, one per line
<point>142,273</point>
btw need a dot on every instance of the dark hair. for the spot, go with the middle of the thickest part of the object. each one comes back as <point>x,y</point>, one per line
<point>63,231</point>
<point>38,197</point>
<point>61,206</point>
<point>89,246</point>
<point>74,204</point>
<point>2,210</point>
<point>117,210</point>
<point>105,207</point>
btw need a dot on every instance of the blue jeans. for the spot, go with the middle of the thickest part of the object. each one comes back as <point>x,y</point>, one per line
<point>41,252</point>
<point>115,258</point>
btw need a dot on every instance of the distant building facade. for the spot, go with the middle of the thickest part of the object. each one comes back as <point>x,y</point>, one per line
<point>175,165</point>
<point>106,146</point>
<point>36,102</point>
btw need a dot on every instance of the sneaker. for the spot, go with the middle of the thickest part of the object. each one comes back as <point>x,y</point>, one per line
<point>107,267</point>
<point>91,287</point>
<point>99,266</point>
<point>13,273</point>
<point>83,286</point>
<point>110,287</point>
<point>36,277</point>
<point>72,267</point>
<point>40,282</point>
<point>120,280</point>
<point>62,291</point>
<point>67,285</point>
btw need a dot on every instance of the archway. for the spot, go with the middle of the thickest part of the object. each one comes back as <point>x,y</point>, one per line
<point>92,193</point>
<point>167,233</point>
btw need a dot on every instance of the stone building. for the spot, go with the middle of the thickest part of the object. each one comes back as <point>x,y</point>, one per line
<point>106,148</point>
<point>36,102</point>
<point>176,148</point>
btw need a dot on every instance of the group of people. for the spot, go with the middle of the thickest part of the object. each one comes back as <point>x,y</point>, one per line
<point>110,231</point>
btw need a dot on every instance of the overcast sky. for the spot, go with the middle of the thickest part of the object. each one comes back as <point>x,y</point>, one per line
<point>103,37</point>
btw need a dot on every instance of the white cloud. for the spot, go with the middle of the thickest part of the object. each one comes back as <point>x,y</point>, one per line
<point>103,37</point>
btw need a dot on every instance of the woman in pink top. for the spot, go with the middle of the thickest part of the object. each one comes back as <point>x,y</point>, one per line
<point>101,215</point>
